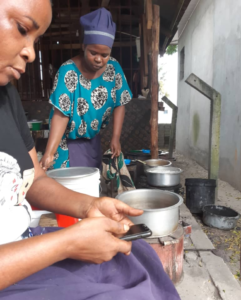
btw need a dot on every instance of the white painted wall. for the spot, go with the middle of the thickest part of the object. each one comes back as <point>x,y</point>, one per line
<point>212,41</point>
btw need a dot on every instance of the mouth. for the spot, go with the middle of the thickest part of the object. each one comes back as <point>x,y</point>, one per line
<point>17,72</point>
<point>97,67</point>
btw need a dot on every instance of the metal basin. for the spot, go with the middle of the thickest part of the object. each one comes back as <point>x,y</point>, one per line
<point>153,163</point>
<point>164,176</point>
<point>221,217</point>
<point>161,209</point>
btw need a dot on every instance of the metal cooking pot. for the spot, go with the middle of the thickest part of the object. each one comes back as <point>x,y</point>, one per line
<point>161,209</point>
<point>221,217</point>
<point>163,176</point>
<point>153,163</point>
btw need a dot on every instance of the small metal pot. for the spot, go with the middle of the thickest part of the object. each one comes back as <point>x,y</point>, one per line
<point>163,176</point>
<point>161,209</point>
<point>153,163</point>
<point>221,217</point>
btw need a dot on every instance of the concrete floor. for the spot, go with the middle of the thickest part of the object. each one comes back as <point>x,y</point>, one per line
<point>206,276</point>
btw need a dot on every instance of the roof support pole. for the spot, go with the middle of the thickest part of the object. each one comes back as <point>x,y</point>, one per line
<point>154,80</point>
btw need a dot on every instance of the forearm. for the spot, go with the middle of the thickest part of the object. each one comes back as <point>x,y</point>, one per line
<point>47,194</point>
<point>19,260</point>
<point>118,119</point>
<point>58,126</point>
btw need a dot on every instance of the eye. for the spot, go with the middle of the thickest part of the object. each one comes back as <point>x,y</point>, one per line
<point>21,29</point>
<point>105,55</point>
<point>92,53</point>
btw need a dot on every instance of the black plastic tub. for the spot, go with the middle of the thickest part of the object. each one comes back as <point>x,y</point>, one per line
<point>221,217</point>
<point>199,192</point>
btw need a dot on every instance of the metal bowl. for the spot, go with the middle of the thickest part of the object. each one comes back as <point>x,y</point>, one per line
<point>153,163</point>
<point>161,209</point>
<point>221,217</point>
<point>164,176</point>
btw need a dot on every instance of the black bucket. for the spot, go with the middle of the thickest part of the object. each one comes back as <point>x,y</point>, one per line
<point>199,192</point>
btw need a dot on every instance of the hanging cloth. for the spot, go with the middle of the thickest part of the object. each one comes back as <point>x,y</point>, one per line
<point>116,168</point>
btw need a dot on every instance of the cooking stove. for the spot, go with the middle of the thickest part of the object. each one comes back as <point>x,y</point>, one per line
<point>170,250</point>
<point>143,184</point>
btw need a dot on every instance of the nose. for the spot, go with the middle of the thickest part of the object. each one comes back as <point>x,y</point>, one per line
<point>28,53</point>
<point>98,59</point>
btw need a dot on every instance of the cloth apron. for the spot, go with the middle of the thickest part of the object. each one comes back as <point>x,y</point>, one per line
<point>85,152</point>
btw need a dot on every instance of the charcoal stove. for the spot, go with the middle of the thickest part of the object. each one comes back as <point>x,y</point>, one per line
<point>170,251</point>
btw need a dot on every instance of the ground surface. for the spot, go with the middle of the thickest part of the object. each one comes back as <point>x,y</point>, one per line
<point>227,243</point>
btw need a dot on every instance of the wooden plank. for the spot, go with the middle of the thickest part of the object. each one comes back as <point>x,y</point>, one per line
<point>154,83</point>
<point>149,14</point>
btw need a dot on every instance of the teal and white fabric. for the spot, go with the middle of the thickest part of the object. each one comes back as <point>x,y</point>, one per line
<point>88,103</point>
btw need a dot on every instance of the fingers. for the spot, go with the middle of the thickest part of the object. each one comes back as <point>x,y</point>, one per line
<point>124,247</point>
<point>127,210</point>
<point>116,227</point>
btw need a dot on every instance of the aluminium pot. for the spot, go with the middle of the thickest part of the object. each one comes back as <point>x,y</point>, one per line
<point>164,176</point>
<point>161,209</point>
<point>153,163</point>
<point>221,217</point>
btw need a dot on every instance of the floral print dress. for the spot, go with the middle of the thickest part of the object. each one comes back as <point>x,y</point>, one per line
<point>89,104</point>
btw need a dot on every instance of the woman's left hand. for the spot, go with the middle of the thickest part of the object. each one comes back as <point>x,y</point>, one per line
<point>115,147</point>
<point>113,209</point>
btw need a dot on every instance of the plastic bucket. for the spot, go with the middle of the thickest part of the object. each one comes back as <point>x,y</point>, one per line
<point>35,125</point>
<point>199,192</point>
<point>83,180</point>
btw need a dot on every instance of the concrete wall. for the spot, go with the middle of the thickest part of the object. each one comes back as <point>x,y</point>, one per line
<point>212,41</point>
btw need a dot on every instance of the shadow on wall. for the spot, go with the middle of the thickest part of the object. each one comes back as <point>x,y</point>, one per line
<point>195,128</point>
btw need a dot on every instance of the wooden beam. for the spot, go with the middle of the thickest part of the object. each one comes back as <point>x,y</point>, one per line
<point>105,3</point>
<point>154,83</point>
<point>78,46</point>
<point>149,14</point>
<point>144,44</point>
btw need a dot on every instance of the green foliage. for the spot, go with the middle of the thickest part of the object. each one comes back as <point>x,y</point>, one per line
<point>171,49</point>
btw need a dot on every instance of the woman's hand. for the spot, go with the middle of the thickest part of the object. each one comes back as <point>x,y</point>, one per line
<point>46,161</point>
<point>115,147</point>
<point>95,240</point>
<point>113,209</point>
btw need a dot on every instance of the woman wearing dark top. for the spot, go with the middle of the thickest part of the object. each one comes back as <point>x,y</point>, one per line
<point>54,265</point>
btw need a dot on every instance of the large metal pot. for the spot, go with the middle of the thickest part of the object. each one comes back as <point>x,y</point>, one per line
<point>221,217</point>
<point>161,209</point>
<point>153,163</point>
<point>163,176</point>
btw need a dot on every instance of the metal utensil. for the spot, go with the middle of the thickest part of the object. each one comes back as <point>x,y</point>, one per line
<point>221,217</point>
<point>153,163</point>
<point>161,209</point>
<point>163,176</point>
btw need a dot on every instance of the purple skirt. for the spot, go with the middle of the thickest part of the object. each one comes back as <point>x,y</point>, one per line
<point>85,153</point>
<point>138,276</point>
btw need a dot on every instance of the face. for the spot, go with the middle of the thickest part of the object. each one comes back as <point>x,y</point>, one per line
<point>96,56</point>
<point>22,22</point>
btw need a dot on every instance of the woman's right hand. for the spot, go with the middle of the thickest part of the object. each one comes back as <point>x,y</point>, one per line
<point>46,161</point>
<point>95,240</point>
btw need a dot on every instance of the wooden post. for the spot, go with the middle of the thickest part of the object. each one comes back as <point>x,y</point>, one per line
<point>215,116</point>
<point>149,14</point>
<point>154,83</point>
<point>173,126</point>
